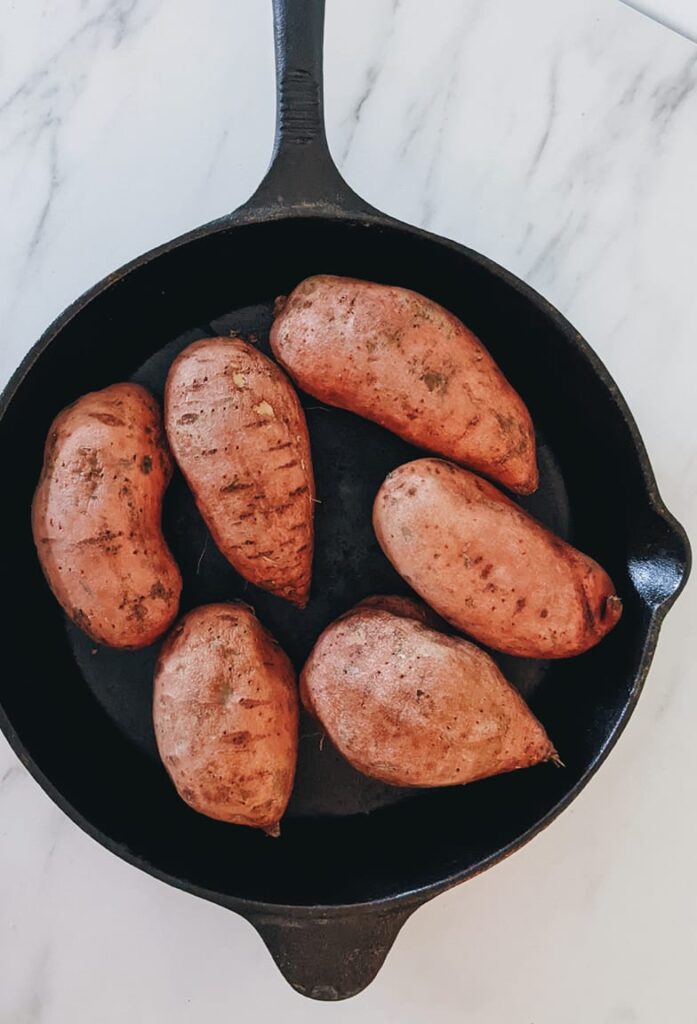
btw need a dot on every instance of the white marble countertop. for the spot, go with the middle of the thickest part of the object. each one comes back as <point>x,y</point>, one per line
<point>559,139</point>
<point>680,15</point>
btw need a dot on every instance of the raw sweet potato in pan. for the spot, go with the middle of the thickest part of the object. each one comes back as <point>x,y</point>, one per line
<point>239,435</point>
<point>488,567</point>
<point>413,707</point>
<point>225,709</point>
<point>399,605</point>
<point>395,357</point>
<point>96,517</point>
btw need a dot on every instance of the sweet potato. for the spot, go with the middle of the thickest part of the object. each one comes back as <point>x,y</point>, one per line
<point>399,605</point>
<point>395,357</point>
<point>96,517</point>
<point>412,707</point>
<point>489,568</point>
<point>225,708</point>
<point>239,435</point>
<point>395,604</point>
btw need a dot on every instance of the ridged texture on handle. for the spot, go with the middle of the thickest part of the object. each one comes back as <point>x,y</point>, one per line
<point>299,38</point>
<point>299,114</point>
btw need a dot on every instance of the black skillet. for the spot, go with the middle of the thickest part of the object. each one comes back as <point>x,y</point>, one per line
<point>330,895</point>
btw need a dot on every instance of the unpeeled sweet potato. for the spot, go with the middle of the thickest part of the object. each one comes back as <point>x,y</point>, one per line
<point>397,604</point>
<point>96,517</point>
<point>239,435</point>
<point>488,567</point>
<point>410,706</point>
<point>225,709</point>
<point>395,357</point>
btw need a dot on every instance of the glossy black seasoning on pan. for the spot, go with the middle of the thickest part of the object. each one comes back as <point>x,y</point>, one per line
<point>330,895</point>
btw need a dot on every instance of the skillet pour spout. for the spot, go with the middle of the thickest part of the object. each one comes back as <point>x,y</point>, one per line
<point>330,895</point>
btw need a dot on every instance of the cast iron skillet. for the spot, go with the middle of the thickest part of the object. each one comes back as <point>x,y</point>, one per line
<point>330,895</point>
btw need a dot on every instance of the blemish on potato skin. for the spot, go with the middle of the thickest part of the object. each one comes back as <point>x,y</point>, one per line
<point>234,487</point>
<point>435,382</point>
<point>81,619</point>
<point>158,590</point>
<point>242,738</point>
<point>264,408</point>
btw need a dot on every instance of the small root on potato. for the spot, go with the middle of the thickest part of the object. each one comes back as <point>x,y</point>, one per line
<point>201,557</point>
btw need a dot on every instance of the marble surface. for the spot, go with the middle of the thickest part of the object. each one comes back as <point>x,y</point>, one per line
<point>558,139</point>
<point>680,15</point>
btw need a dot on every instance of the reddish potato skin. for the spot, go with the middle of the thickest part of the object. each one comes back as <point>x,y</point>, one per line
<point>489,568</point>
<point>225,709</point>
<point>395,357</point>
<point>395,604</point>
<point>239,435</point>
<point>413,707</point>
<point>96,517</point>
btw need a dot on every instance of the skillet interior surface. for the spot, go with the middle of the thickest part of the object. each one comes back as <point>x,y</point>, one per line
<point>83,713</point>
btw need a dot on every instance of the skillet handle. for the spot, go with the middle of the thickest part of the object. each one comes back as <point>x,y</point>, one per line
<point>302,176</point>
<point>333,957</point>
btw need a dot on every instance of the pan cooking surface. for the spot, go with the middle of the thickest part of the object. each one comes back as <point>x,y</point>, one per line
<point>351,458</point>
